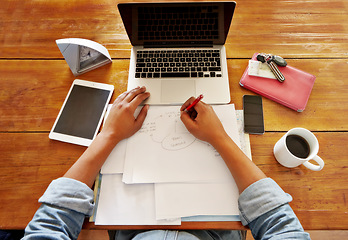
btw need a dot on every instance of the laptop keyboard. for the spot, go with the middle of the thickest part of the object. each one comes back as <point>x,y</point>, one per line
<point>178,64</point>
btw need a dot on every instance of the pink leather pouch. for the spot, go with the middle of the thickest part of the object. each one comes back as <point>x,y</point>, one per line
<point>292,93</point>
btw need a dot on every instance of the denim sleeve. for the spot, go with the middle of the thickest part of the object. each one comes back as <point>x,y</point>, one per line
<point>265,208</point>
<point>65,204</point>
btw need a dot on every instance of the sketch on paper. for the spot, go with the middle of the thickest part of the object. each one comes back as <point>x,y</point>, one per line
<point>168,130</point>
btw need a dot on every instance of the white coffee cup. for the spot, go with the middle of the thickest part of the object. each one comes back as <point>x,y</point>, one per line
<point>288,159</point>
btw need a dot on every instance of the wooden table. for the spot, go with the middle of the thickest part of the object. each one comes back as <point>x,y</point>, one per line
<point>34,80</point>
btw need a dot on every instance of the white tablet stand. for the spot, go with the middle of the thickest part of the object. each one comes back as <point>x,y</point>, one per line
<point>83,55</point>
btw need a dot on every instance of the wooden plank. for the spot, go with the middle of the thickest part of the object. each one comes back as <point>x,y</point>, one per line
<point>34,91</point>
<point>332,235</point>
<point>30,161</point>
<point>296,29</point>
<point>327,107</point>
<point>319,198</point>
<point>315,235</point>
<point>183,226</point>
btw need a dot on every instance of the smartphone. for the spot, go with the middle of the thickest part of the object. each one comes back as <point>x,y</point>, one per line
<point>253,114</point>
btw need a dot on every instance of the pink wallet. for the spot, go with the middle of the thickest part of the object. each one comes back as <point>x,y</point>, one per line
<point>293,92</point>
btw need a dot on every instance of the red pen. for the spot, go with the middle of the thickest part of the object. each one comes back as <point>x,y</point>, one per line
<point>194,103</point>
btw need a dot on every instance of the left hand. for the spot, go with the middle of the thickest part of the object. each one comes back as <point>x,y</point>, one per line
<point>121,122</point>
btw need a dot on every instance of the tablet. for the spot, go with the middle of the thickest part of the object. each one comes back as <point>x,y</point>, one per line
<point>82,112</point>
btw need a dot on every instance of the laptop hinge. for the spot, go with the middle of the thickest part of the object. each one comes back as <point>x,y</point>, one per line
<point>178,44</point>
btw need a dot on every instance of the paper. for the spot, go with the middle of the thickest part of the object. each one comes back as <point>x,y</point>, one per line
<point>260,69</point>
<point>164,151</point>
<point>115,161</point>
<point>198,201</point>
<point>121,204</point>
<point>244,137</point>
<point>187,199</point>
<point>206,202</point>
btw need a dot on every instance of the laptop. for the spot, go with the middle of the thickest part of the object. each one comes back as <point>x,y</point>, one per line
<point>178,50</point>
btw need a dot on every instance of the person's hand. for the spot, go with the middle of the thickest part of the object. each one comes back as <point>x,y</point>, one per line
<point>121,122</point>
<point>202,122</point>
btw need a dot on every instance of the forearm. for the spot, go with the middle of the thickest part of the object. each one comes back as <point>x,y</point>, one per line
<point>65,204</point>
<point>87,167</point>
<point>52,222</point>
<point>244,171</point>
<point>264,208</point>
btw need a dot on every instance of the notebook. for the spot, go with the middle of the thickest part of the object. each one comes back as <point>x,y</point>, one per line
<point>178,49</point>
<point>293,93</point>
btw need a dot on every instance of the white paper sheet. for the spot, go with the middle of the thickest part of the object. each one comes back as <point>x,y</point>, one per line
<point>260,69</point>
<point>175,200</point>
<point>198,201</point>
<point>202,201</point>
<point>164,151</point>
<point>114,164</point>
<point>243,137</point>
<point>121,204</point>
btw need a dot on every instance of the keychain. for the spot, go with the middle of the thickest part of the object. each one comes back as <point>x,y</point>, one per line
<point>273,62</point>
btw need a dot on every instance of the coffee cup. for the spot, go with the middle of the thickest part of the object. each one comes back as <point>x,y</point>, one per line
<point>297,147</point>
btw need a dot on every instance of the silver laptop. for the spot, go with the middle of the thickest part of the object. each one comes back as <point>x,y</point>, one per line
<point>178,49</point>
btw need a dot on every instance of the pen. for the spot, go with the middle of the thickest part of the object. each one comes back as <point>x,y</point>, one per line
<point>194,103</point>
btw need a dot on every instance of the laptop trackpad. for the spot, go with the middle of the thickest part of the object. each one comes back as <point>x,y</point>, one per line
<point>177,91</point>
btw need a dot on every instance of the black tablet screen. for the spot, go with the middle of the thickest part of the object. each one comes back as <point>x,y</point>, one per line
<point>82,112</point>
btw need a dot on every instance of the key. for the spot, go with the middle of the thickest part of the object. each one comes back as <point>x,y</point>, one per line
<point>261,57</point>
<point>279,61</point>
<point>274,68</point>
<point>177,74</point>
<point>267,58</point>
<point>214,69</point>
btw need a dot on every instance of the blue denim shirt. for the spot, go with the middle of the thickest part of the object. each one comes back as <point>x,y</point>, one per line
<point>263,207</point>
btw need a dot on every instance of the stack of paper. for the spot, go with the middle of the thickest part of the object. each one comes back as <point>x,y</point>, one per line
<point>163,173</point>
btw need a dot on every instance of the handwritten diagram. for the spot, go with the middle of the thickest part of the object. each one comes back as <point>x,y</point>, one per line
<point>164,151</point>
<point>168,130</point>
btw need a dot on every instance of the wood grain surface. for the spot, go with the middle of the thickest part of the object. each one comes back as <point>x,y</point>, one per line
<point>36,89</point>
<point>34,81</point>
<point>292,29</point>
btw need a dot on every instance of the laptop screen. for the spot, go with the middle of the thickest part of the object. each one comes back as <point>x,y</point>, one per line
<point>177,24</point>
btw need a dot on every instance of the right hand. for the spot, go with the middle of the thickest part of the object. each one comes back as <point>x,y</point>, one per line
<point>202,122</point>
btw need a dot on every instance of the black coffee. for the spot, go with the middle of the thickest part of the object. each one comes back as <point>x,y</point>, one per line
<point>298,146</point>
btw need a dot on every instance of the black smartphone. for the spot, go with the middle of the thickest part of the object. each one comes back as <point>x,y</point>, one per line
<point>253,114</point>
